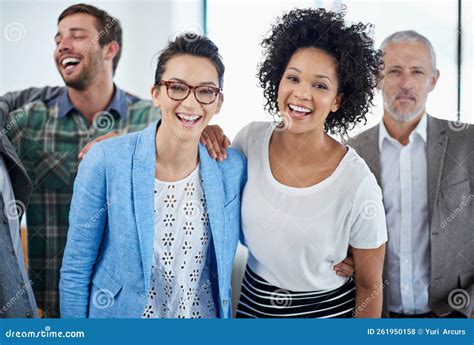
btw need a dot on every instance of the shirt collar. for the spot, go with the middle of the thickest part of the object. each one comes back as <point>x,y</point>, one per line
<point>420,130</point>
<point>118,103</point>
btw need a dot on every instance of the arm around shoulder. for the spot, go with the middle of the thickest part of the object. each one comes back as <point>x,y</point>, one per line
<point>16,99</point>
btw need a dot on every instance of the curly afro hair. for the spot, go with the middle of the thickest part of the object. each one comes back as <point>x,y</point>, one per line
<point>359,65</point>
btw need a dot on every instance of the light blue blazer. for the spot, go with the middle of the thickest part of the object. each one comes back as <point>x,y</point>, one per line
<point>107,262</point>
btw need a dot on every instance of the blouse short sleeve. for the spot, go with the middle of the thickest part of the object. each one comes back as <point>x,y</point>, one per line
<point>368,226</point>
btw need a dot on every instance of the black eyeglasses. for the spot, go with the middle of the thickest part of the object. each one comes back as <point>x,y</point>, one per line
<point>178,91</point>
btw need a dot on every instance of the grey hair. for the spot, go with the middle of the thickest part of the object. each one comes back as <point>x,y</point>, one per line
<point>411,36</point>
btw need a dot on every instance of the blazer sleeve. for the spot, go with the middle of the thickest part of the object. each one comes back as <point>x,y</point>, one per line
<point>87,220</point>
<point>243,181</point>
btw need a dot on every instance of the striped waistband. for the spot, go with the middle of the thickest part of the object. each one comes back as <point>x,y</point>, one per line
<point>259,298</point>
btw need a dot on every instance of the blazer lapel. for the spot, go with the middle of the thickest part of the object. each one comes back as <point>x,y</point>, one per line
<point>143,177</point>
<point>214,193</point>
<point>437,142</point>
<point>143,172</point>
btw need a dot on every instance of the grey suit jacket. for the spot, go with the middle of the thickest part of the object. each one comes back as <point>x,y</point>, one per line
<point>20,181</point>
<point>450,158</point>
<point>16,295</point>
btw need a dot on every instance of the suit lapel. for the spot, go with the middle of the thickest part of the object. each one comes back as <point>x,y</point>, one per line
<point>143,177</point>
<point>437,142</point>
<point>372,153</point>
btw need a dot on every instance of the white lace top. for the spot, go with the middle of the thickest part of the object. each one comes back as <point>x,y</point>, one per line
<point>180,280</point>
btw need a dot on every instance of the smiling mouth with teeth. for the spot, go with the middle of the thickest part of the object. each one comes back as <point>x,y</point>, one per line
<point>189,121</point>
<point>68,62</point>
<point>299,112</point>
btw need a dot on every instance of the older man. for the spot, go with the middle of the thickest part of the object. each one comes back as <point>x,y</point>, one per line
<point>425,167</point>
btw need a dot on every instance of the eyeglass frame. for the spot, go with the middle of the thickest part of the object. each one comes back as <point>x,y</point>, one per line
<point>167,83</point>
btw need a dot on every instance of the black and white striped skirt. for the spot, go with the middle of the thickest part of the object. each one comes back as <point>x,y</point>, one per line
<point>259,299</point>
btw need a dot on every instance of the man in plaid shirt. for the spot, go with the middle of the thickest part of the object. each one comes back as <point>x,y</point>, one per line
<point>49,133</point>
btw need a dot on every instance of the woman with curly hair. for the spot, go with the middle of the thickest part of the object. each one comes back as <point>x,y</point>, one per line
<point>310,199</point>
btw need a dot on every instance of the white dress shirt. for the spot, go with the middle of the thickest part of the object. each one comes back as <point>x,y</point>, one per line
<point>404,187</point>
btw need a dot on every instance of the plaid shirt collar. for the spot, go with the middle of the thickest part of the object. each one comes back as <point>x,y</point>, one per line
<point>119,103</point>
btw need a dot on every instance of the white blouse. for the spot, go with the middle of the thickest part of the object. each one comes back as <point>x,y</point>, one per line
<point>296,235</point>
<point>181,278</point>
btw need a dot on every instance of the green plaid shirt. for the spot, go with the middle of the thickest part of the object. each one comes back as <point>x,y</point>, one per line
<point>48,136</point>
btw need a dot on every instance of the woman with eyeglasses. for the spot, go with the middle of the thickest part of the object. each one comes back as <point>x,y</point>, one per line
<point>309,198</point>
<point>154,220</point>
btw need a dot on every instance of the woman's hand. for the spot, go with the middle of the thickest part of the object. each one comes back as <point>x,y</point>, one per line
<point>216,142</point>
<point>212,137</point>
<point>346,267</point>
